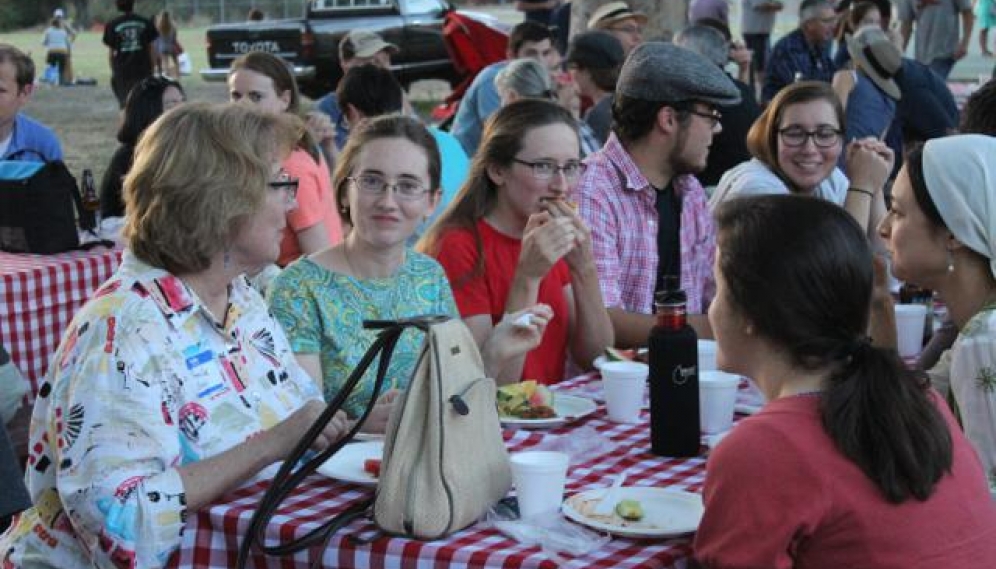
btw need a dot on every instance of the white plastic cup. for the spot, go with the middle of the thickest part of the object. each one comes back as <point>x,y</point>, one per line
<point>910,320</point>
<point>539,477</point>
<point>624,384</point>
<point>717,400</point>
<point>707,355</point>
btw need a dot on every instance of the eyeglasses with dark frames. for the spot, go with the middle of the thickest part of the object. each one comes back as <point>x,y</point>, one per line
<point>545,169</point>
<point>284,181</point>
<point>823,137</point>
<point>713,116</point>
<point>376,186</point>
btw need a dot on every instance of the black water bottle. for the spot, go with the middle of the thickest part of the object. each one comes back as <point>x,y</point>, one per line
<point>674,376</point>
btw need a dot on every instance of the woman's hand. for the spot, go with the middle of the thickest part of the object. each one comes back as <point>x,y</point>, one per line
<point>377,420</point>
<point>882,318</point>
<point>286,434</point>
<point>545,241</point>
<point>580,257</point>
<point>517,334</point>
<point>869,163</point>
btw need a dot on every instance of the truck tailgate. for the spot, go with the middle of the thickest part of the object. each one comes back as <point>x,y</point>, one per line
<point>282,38</point>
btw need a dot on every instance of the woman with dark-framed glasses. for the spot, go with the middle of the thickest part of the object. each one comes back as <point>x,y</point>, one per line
<point>173,385</point>
<point>796,143</point>
<point>386,183</point>
<point>511,238</point>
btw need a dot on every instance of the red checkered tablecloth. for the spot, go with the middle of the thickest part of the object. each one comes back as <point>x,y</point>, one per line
<point>39,294</point>
<point>213,535</point>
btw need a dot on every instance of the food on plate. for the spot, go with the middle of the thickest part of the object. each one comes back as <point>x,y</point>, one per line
<point>372,467</point>
<point>526,400</point>
<point>630,509</point>
<point>587,506</point>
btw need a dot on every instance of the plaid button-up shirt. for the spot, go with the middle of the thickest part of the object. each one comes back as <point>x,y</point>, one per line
<point>619,205</point>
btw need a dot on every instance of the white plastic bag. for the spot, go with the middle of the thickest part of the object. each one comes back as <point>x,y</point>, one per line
<point>553,534</point>
<point>51,75</point>
<point>186,67</point>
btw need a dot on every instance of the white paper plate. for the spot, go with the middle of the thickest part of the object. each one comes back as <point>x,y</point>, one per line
<point>568,408</point>
<point>747,408</point>
<point>666,512</point>
<point>347,464</point>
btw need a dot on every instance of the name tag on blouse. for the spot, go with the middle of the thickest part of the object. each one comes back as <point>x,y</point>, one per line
<point>196,359</point>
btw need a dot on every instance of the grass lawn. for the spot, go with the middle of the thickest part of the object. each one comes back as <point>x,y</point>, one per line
<point>85,117</point>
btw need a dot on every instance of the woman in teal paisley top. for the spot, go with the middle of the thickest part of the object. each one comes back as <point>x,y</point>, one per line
<point>386,183</point>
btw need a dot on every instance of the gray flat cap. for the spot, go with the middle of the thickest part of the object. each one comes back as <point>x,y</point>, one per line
<point>664,72</point>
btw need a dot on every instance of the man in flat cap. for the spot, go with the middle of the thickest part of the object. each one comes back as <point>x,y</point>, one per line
<point>620,20</point>
<point>647,212</point>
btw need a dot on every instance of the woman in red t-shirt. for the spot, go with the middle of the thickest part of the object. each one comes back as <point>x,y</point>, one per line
<point>510,239</point>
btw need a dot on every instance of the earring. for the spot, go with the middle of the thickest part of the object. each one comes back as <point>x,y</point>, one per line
<point>227,258</point>
<point>950,261</point>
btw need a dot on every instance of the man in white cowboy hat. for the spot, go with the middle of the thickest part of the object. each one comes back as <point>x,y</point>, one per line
<point>358,47</point>
<point>620,20</point>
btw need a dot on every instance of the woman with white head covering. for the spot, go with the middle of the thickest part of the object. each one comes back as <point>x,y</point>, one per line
<point>941,231</point>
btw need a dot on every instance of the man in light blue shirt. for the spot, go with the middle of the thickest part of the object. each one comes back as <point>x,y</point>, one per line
<point>21,137</point>
<point>527,39</point>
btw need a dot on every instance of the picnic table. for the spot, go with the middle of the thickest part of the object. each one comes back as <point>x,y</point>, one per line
<point>213,535</point>
<point>39,294</point>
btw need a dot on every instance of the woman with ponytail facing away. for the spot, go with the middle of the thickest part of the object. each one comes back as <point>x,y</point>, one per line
<point>854,461</point>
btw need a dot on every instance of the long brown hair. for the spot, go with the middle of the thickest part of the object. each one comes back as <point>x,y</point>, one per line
<point>279,72</point>
<point>800,271</point>
<point>762,138</point>
<point>500,142</point>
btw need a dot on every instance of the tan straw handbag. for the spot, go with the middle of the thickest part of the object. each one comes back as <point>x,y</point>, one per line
<point>445,462</point>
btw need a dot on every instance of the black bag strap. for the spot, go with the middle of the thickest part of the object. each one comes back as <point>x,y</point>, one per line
<point>287,479</point>
<point>24,151</point>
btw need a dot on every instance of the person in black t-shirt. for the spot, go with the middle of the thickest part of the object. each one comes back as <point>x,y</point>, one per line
<point>129,37</point>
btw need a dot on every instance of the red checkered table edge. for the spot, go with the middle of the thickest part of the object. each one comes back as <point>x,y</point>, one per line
<point>212,536</point>
<point>39,294</point>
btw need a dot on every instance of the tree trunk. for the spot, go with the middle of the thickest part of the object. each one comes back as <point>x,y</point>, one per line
<point>665,17</point>
<point>82,16</point>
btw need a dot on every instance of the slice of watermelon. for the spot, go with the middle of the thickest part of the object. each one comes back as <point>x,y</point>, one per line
<point>618,355</point>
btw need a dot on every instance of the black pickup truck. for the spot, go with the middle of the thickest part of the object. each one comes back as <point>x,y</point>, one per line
<point>311,44</point>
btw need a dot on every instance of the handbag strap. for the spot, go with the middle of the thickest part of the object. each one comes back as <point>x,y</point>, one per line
<point>24,151</point>
<point>287,478</point>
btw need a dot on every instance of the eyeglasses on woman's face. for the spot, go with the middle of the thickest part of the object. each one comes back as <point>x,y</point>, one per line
<point>283,181</point>
<point>823,137</point>
<point>373,185</point>
<point>545,169</point>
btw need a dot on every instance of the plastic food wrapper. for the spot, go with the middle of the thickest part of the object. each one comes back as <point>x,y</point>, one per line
<point>555,535</point>
<point>583,445</point>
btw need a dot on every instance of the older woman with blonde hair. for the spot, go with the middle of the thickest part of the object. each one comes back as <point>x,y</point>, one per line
<point>172,385</point>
